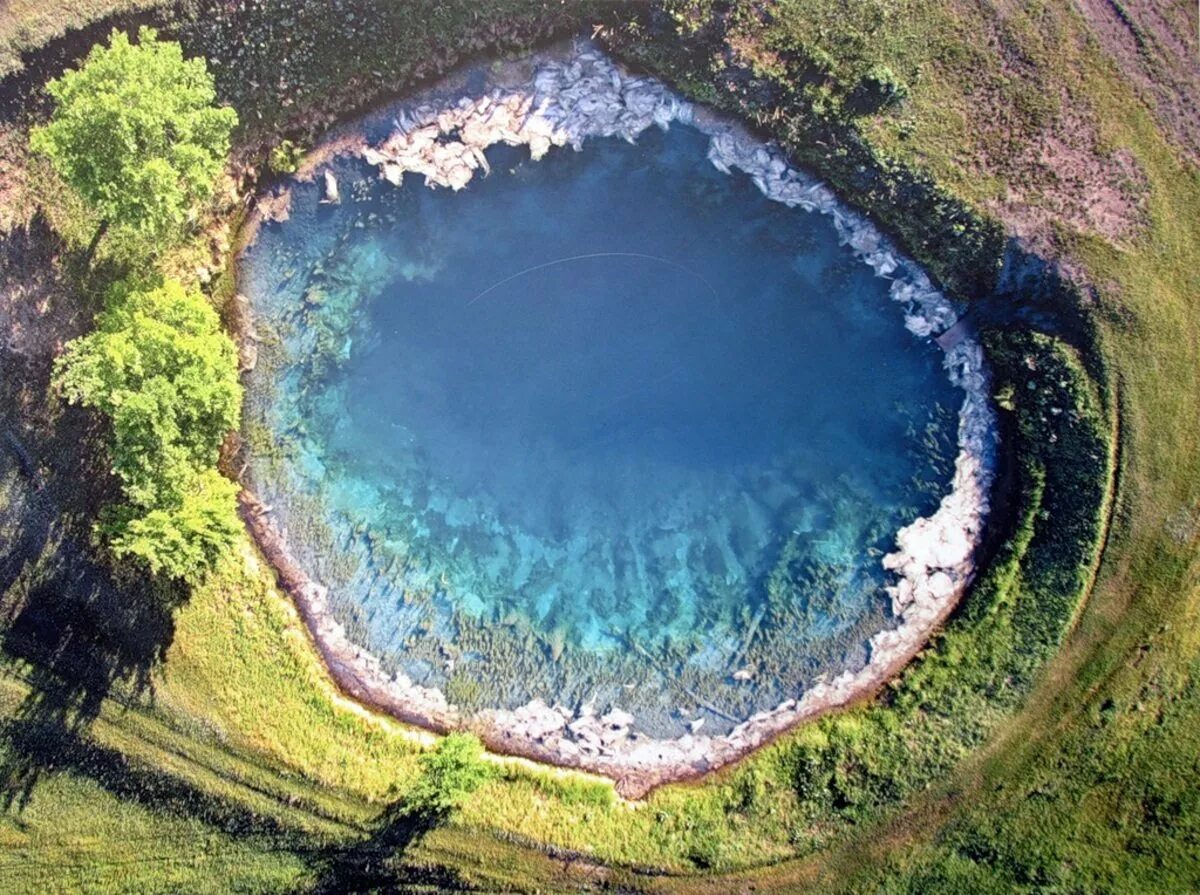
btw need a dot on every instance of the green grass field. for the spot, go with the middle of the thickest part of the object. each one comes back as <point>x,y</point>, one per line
<point>1048,740</point>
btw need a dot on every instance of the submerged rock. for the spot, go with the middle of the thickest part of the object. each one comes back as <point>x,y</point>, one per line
<point>331,196</point>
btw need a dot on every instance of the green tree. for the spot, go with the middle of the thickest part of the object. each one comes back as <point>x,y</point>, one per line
<point>183,537</point>
<point>162,370</point>
<point>136,133</point>
<point>449,775</point>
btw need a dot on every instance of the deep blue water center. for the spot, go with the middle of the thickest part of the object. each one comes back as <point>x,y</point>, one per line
<point>611,397</point>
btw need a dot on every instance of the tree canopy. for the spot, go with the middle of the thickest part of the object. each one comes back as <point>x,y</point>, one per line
<point>449,774</point>
<point>159,366</point>
<point>136,133</point>
<point>184,537</point>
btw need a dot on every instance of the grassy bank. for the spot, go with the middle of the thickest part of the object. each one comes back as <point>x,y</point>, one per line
<point>1038,742</point>
<point>27,25</point>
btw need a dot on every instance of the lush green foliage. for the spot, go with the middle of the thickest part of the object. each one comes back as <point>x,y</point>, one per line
<point>186,535</point>
<point>136,133</point>
<point>161,368</point>
<point>164,373</point>
<point>449,775</point>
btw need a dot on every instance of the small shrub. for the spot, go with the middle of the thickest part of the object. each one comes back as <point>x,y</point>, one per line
<point>449,775</point>
<point>285,158</point>
<point>878,89</point>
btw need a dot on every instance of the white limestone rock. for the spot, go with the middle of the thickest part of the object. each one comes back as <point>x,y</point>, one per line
<point>331,195</point>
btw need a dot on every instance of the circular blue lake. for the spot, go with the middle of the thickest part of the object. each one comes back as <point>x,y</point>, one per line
<point>593,423</point>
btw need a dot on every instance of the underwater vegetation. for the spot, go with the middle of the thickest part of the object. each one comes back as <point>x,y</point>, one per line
<point>544,441</point>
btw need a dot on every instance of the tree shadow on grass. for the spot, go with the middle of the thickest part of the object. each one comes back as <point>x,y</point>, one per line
<point>376,864</point>
<point>76,635</point>
<point>69,628</point>
<point>74,642</point>
<point>163,793</point>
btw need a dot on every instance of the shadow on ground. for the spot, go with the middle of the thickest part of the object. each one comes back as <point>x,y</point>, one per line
<point>377,864</point>
<point>77,633</point>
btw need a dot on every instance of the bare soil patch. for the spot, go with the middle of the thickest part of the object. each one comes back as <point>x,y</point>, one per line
<point>1156,47</point>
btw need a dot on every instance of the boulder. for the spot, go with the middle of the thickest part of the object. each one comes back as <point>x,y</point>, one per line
<point>331,195</point>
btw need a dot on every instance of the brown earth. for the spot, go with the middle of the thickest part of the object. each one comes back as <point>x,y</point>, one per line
<point>1156,45</point>
<point>1059,175</point>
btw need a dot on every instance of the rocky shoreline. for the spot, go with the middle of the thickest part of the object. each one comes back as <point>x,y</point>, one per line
<point>561,98</point>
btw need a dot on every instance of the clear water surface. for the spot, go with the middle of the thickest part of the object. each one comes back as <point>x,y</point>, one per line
<point>615,402</point>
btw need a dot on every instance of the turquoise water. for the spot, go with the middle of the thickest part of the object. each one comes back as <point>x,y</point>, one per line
<point>591,427</point>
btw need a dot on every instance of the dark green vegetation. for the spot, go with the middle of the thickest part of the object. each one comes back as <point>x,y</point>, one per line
<point>1047,740</point>
<point>450,774</point>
